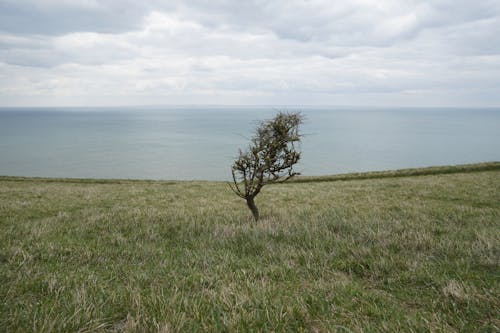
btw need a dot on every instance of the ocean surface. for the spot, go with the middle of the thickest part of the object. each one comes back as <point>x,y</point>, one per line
<point>183,143</point>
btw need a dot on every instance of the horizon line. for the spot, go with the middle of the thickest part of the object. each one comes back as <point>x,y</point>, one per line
<point>248,106</point>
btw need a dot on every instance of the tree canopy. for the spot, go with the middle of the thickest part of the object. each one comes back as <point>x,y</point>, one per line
<point>270,157</point>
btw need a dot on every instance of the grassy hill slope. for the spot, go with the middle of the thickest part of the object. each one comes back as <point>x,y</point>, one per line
<point>407,253</point>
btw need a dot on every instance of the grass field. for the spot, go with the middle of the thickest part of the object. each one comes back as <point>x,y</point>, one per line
<point>394,253</point>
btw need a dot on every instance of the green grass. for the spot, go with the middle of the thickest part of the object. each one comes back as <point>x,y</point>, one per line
<point>393,253</point>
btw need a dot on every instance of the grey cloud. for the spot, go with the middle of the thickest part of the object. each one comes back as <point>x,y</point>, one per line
<point>57,18</point>
<point>340,23</point>
<point>474,38</point>
<point>251,51</point>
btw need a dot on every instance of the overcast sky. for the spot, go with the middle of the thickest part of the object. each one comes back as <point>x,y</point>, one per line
<point>286,52</point>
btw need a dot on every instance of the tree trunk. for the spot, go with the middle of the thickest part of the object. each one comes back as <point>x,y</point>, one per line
<point>251,205</point>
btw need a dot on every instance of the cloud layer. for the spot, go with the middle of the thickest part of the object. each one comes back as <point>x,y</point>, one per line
<point>359,52</point>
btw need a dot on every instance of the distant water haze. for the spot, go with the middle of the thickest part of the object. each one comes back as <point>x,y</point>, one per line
<point>187,143</point>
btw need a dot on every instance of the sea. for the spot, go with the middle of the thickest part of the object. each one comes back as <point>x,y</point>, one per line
<point>201,142</point>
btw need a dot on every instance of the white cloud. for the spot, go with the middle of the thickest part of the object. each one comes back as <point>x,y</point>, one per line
<point>294,52</point>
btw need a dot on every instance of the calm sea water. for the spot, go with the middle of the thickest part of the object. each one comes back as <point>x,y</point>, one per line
<point>201,143</point>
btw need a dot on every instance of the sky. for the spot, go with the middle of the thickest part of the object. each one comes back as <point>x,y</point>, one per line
<point>262,52</point>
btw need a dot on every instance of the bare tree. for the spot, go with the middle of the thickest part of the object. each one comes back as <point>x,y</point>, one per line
<point>270,157</point>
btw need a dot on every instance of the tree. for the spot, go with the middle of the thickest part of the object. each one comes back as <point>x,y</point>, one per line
<point>270,157</point>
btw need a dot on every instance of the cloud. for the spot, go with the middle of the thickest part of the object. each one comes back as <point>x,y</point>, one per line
<point>279,52</point>
<point>51,17</point>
